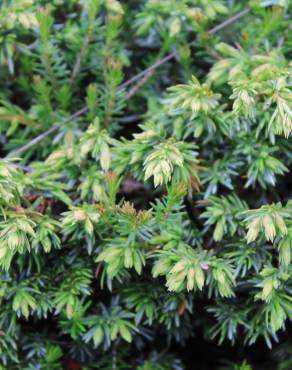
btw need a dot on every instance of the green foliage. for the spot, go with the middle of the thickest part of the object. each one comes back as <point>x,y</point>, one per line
<point>145,188</point>
<point>224,213</point>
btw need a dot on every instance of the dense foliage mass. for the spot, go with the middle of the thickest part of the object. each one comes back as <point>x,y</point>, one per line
<point>145,220</point>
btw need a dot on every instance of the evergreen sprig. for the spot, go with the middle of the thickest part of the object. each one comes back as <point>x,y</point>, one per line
<point>160,209</point>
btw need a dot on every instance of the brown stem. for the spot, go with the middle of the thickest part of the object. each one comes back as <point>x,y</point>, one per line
<point>77,65</point>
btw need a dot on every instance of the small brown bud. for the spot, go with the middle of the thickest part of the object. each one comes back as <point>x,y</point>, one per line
<point>79,215</point>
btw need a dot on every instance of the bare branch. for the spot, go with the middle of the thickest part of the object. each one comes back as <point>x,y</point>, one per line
<point>228,21</point>
<point>43,135</point>
<point>77,65</point>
